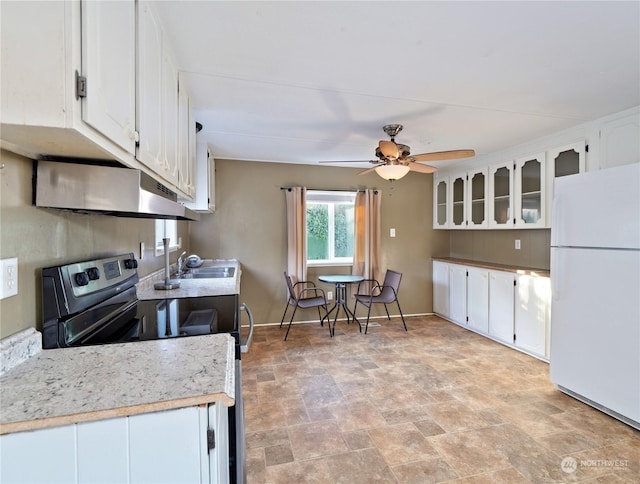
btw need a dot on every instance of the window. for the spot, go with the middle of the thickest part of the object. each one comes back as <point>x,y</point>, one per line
<point>330,227</point>
<point>167,229</point>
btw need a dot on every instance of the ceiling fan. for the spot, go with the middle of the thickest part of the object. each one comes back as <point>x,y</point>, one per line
<point>395,160</point>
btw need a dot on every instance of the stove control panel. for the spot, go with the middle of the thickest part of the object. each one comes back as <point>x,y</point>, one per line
<point>91,276</point>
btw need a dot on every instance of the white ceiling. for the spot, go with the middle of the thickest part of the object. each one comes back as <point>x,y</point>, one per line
<point>300,82</point>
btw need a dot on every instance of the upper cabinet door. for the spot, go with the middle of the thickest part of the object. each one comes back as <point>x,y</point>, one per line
<point>529,192</point>
<point>563,161</point>
<point>458,214</point>
<point>440,202</point>
<point>477,207</point>
<point>108,63</point>
<point>501,196</point>
<point>150,93</point>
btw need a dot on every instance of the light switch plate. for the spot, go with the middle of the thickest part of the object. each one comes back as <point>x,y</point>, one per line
<point>392,232</point>
<point>517,244</point>
<point>8,277</point>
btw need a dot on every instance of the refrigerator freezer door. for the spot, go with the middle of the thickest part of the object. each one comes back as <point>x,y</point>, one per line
<point>595,326</point>
<point>598,209</point>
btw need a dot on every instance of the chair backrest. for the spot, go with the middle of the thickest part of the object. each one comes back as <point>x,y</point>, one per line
<point>391,279</point>
<point>292,293</point>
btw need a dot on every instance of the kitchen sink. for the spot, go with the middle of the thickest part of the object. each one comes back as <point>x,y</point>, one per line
<point>209,273</point>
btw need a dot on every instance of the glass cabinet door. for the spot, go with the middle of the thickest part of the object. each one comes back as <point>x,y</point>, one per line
<point>529,188</point>
<point>500,186</point>
<point>440,203</point>
<point>477,208</point>
<point>563,161</point>
<point>458,202</point>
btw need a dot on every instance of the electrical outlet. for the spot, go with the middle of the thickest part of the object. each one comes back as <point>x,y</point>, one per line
<point>330,295</point>
<point>517,244</point>
<point>8,277</point>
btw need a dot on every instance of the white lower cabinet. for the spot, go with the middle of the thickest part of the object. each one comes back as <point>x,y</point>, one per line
<point>43,456</point>
<point>501,290</point>
<point>159,447</point>
<point>532,314</point>
<point>458,293</point>
<point>441,288</point>
<point>478,299</point>
<point>509,307</point>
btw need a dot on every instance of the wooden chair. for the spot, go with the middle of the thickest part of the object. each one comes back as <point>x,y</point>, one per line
<point>380,294</point>
<point>303,299</point>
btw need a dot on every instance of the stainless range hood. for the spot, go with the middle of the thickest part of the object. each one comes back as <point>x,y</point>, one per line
<point>122,192</point>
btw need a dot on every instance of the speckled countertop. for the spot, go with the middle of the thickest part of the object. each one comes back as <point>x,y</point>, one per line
<point>71,385</point>
<point>497,267</point>
<point>194,287</point>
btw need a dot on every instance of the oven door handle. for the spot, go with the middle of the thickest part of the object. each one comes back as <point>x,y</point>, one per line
<point>244,344</point>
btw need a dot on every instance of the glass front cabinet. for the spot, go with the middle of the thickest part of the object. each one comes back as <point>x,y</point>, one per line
<point>440,202</point>
<point>501,196</point>
<point>529,190</point>
<point>563,161</point>
<point>477,207</point>
<point>458,213</point>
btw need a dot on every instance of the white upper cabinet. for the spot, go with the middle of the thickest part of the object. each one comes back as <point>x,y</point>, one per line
<point>458,205</point>
<point>150,94</point>
<point>440,201</point>
<point>562,161</point>
<point>477,206</point>
<point>529,191</point>
<point>619,143</point>
<point>205,196</point>
<point>186,145</point>
<point>501,196</point>
<point>157,97</point>
<point>68,79</point>
<point>108,61</point>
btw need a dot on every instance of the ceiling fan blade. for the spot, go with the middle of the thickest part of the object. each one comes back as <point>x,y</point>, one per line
<point>389,149</point>
<point>349,161</point>
<point>422,168</point>
<point>444,155</point>
<point>368,170</point>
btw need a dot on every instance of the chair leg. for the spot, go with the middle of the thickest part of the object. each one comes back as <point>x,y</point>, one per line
<point>401,315</point>
<point>326,315</point>
<point>291,321</point>
<point>366,328</point>
<point>320,316</point>
<point>387,310</point>
<point>284,314</point>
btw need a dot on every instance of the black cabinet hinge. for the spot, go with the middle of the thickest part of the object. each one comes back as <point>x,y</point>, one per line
<point>586,148</point>
<point>514,337</point>
<point>514,282</point>
<point>211,439</point>
<point>81,86</point>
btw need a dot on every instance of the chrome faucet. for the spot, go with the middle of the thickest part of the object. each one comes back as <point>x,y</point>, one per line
<point>180,263</point>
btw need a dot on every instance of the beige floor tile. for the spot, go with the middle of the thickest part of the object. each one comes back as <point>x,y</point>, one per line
<point>316,439</point>
<point>402,443</point>
<point>424,472</point>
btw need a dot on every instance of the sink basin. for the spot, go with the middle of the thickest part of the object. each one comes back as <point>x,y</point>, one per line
<point>209,273</point>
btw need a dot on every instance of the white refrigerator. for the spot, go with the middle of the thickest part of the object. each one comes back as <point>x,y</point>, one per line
<point>595,284</point>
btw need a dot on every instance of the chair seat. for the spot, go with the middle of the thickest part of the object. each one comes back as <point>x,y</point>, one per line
<point>365,299</point>
<point>311,302</point>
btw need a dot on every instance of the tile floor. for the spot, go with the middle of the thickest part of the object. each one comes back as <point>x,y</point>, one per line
<point>435,404</point>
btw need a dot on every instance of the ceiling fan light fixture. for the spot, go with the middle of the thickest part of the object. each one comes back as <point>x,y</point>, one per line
<point>392,172</point>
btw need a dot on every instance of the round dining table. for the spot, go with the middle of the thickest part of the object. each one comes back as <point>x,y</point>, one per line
<point>341,282</point>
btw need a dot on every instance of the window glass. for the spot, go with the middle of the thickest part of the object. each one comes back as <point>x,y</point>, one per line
<point>166,229</point>
<point>330,227</point>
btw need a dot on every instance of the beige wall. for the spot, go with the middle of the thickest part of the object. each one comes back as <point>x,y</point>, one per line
<point>498,246</point>
<point>249,224</point>
<point>42,237</point>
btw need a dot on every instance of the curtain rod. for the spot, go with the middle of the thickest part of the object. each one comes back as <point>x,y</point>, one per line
<point>331,189</point>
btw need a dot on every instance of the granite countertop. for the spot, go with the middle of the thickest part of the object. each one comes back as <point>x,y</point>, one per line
<point>499,267</point>
<point>194,287</point>
<point>71,385</point>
